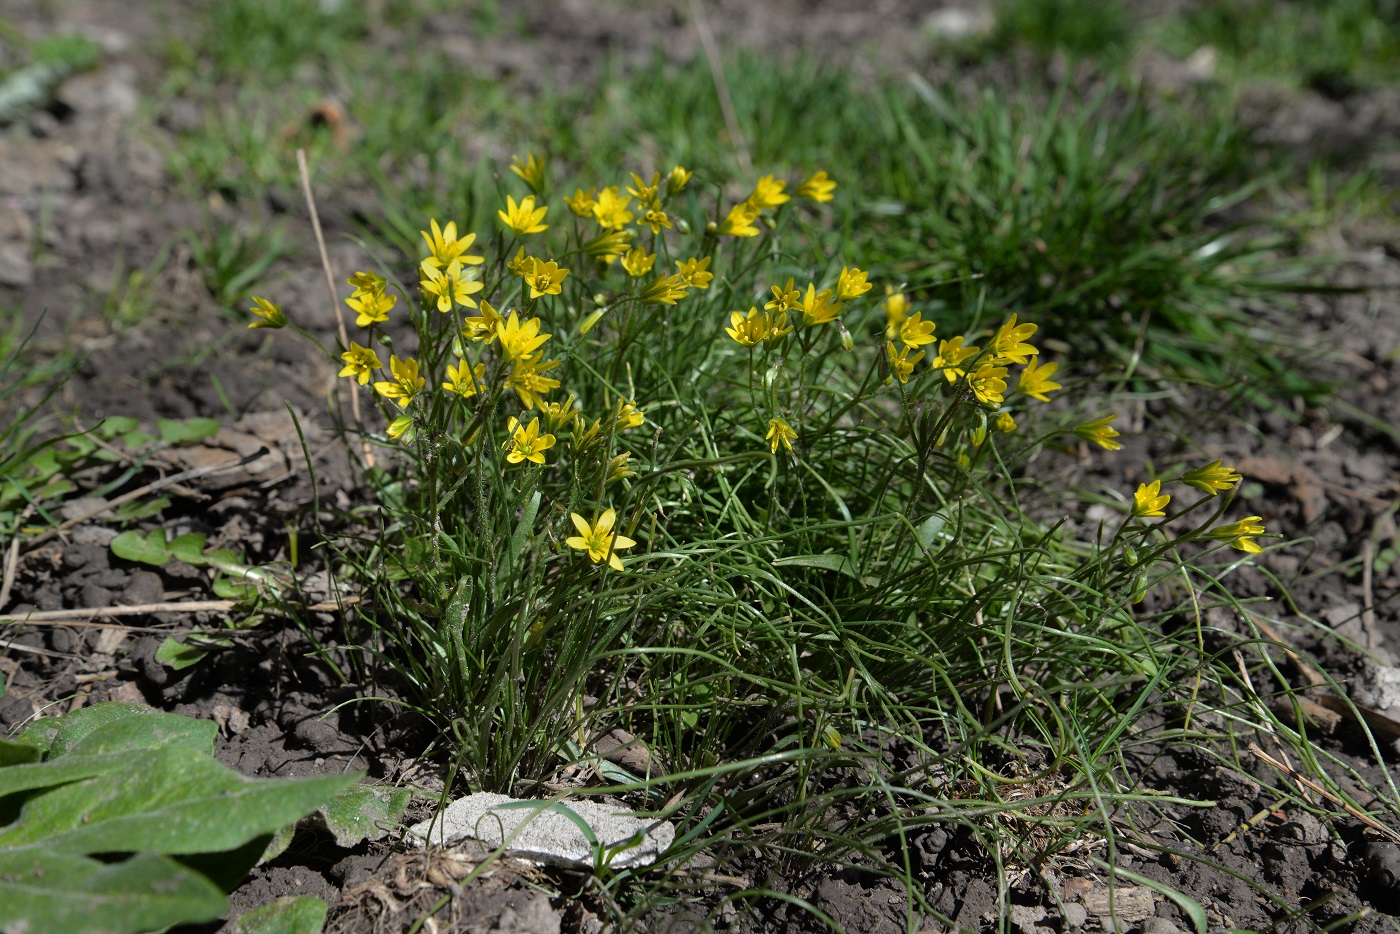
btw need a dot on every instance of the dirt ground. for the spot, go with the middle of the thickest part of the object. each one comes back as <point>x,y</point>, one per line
<point>86,197</point>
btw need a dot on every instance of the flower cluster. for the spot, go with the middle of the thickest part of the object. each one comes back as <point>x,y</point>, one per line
<point>1149,502</point>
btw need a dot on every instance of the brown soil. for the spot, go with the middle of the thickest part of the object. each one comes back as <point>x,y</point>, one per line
<point>87,179</point>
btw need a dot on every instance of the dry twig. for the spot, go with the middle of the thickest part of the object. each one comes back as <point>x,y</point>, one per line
<point>330,286</point>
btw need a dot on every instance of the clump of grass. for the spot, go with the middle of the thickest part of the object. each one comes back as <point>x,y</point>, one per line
<point>647,470</point>
<point>1334,46</point>
<point>1078,27</point>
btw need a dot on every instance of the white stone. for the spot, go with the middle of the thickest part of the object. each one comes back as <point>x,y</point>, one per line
<point>955,24</point>
<point>541,832</point>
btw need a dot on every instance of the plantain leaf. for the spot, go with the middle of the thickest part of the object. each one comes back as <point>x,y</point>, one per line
<point>41,890</point>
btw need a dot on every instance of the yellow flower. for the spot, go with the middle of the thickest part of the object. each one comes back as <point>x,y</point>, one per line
<point>989,384</point>
<point>406,382</point>
<point>528,382</point>
<point>851,284</point>
<point>1099,432</point>
<point>627,416</point>
<point>784,297</point>
<point>656,219</point>
<point>609,244</point>
<point>666,290</point>
<point>1008,344</point>
<point>1035,380</point>
<point>644,192</point>
<point>560,414</point>
<point>371,307</point>
<point>446,248</point>
<point>896,310</point>
<point>739,223</point>
<point>779,432</point>
<point>545,278</point>
<point>400,429</point>
<point>638,262</point>
<point>1240,534</point>
<point>359,363</point>
<point>521,265</point>
<point>526,443</point>
<point>523,218</point>
<point>1005,423</point>
<point>1212,478</point>
<point>818,188</point>
<point>610,211</point>
<point>449,286</point>
<point>695,272</point>
<point>1149,500</point>
<point>520,340</point>
<point>368,282</point>
<point>914,331</point>
<point>677,180</point>
<point>757,326</point>
<point>531,171</point>
<point>599,539</point>
<point>583,202</point>
<point>818,308</point>
<point>464,379</point>
<point>901,364</point>
<point>951,355</point>
<point>484,325</point>
<point>767,193</point>
<point>269,315</point>
<point>618,469</point>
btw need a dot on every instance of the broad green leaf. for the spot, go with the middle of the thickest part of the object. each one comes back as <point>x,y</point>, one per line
<point>179,655</point>
<point>189,547</point>
<point>278,844</point>
<point>136,440</point>
<point>177,801</point>
<point>114,425</point>
<point>41,890</point>
<point>15,753</point>
<point>234,588</point>
<point>290,914</point>
<point>363,812</point>
<point>186,430</point>
<point>112,727</point>
<point>30,775</point>
<point>147,548</point>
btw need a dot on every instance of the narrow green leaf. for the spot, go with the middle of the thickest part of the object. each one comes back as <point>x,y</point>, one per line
<point>140,509</point>
<point>1188,905</point>
<point>522,535</point>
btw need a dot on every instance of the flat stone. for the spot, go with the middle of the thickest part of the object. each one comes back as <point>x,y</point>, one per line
<point>1122,903</point>
<point>541,832</point>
